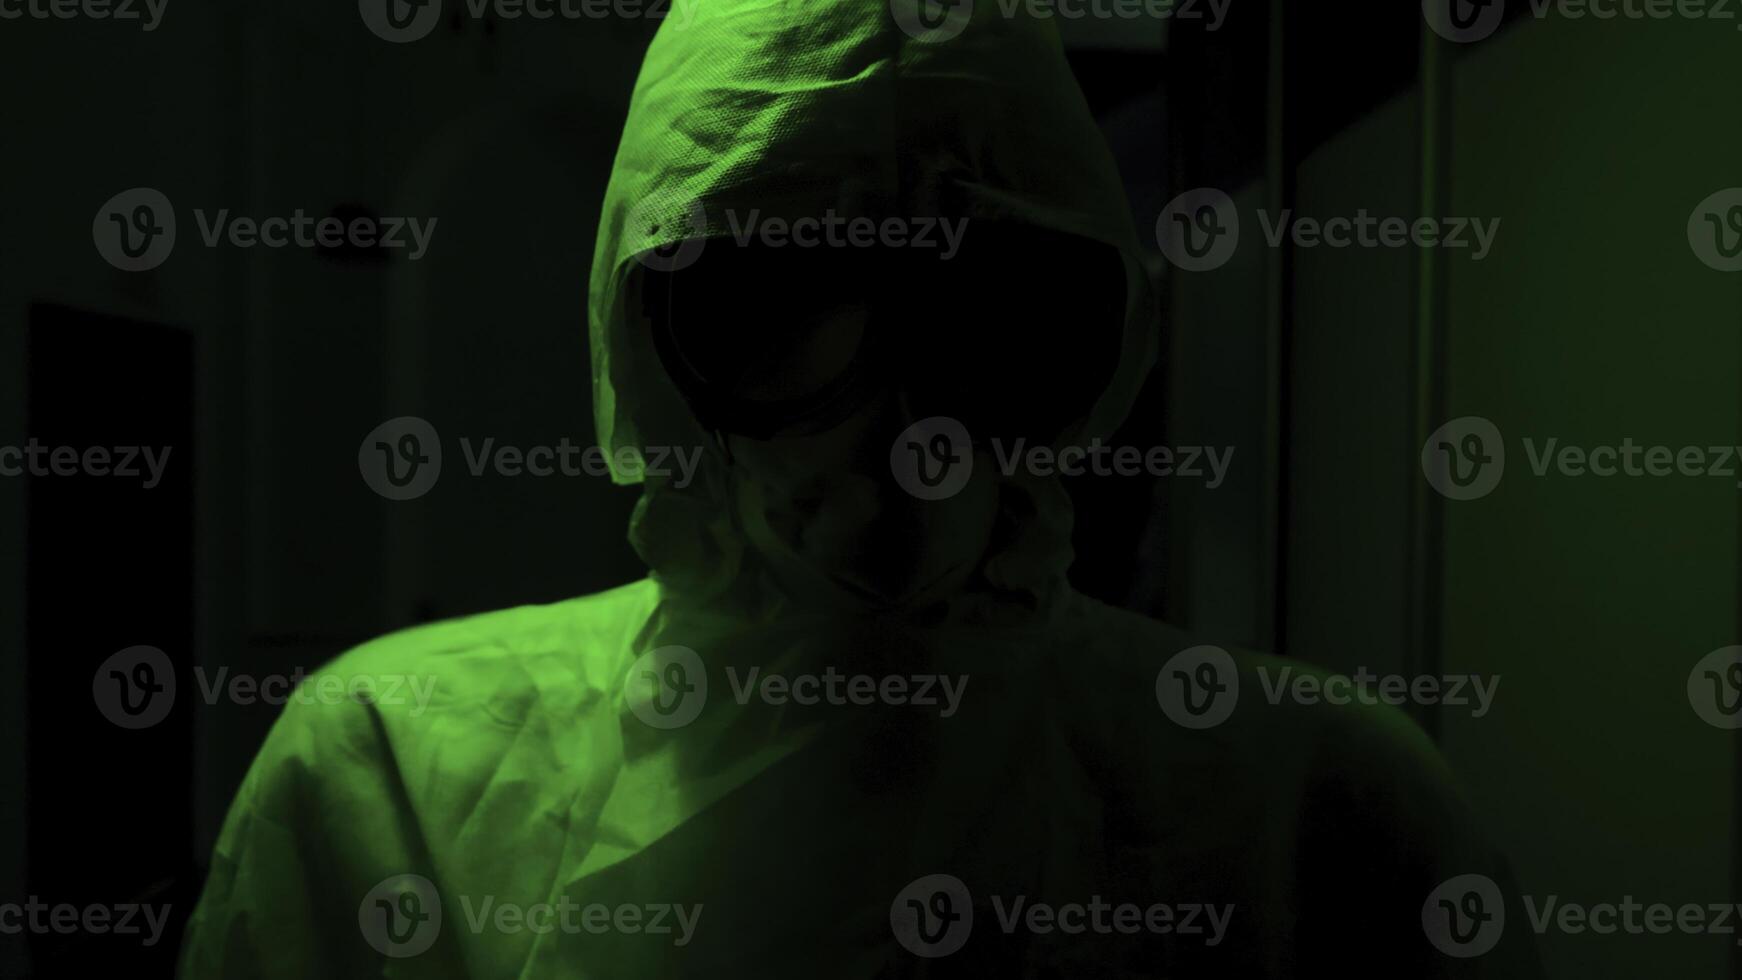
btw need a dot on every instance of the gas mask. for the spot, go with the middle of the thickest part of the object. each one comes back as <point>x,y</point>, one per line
<point>811,366</point>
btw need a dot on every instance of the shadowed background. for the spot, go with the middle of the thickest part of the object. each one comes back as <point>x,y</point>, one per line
<point>264,551</point>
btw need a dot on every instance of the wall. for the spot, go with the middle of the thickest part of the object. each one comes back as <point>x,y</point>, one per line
<point>1594,322</point>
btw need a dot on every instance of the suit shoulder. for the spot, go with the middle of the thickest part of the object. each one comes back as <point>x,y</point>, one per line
<point>497,667</point>
<point>588,629</point>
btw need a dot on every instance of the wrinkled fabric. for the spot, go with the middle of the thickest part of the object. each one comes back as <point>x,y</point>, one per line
<point>526,781</point>
<point>534,776</point>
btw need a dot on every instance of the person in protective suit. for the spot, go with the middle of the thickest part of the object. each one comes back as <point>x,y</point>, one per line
<point>856,723</point>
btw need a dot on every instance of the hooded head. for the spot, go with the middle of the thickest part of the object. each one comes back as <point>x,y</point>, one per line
<point>900,224</point>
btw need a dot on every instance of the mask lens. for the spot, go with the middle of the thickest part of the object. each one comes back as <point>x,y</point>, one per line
<point>778,355</point>
<point>759,340</point>
<point>1016,336</point>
